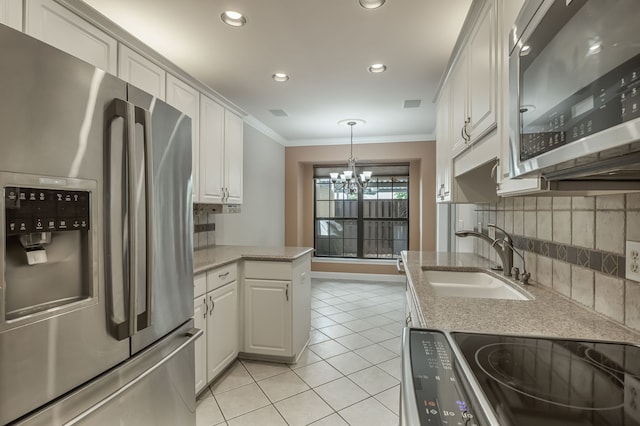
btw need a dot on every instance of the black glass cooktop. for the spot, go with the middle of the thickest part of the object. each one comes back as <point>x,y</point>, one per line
<point>544,381</point>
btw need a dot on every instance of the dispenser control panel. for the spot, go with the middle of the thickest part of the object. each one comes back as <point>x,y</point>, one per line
<point>30,210</point>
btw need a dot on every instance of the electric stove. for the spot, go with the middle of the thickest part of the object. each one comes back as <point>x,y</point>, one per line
<point>473,379</point>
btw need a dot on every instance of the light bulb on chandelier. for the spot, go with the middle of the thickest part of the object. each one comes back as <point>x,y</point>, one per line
<point>348,181</point>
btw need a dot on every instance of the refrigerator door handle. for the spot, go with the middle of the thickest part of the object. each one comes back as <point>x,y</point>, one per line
<point>118,235</point>
<point>143,117</point>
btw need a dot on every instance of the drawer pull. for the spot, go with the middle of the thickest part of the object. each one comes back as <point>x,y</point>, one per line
<point>223,275</point>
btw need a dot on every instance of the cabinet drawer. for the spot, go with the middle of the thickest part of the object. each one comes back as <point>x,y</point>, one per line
<point>199,285</point>
<point>218,277</point>
<point>267,270</point>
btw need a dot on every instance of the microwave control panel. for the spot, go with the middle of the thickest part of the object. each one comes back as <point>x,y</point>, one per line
<point>30,210</point>
<point>608,101</point>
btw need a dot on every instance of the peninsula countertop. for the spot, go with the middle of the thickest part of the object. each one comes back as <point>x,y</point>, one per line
<point>548,314</point>
<point>215,256</point>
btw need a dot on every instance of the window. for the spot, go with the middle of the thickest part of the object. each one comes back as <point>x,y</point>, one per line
<point>371,223</point>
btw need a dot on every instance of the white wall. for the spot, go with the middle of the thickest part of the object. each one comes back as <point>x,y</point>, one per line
<point>465,218</point>
<point>261,221</point>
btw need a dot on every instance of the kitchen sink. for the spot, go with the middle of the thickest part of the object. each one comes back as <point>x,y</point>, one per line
<point>471,284</point>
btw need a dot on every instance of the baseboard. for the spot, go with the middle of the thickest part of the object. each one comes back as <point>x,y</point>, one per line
<point>359,277</point>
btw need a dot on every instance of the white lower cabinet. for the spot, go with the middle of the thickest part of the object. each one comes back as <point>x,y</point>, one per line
<point>216,313</point>
<point>222,328</point>
<point>264,315</point>
<point>268,318</point>
<point>200,321</point>
<point>277,305</point>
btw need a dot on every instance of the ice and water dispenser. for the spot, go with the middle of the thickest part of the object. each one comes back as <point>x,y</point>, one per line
<point>47,253</point>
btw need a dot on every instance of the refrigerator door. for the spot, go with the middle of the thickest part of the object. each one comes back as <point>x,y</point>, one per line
<point>166,292</point>
<point>149,389</point>
<point>53,333</point>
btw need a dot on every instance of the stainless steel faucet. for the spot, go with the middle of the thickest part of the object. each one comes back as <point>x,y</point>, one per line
<point>504,246</point>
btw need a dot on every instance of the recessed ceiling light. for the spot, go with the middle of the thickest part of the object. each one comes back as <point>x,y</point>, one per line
<point>376,68</point>
<point>235,19</point>
<point>280,77</point>
<point>371,4</point>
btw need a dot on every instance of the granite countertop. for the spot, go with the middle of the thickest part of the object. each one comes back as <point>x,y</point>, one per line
<point>215,256</point>
<point>548,314</point>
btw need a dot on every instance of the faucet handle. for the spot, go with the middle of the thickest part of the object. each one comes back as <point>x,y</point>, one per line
<point>516,273</point>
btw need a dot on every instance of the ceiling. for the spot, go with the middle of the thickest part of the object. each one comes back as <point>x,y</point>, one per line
<point>325,46</point>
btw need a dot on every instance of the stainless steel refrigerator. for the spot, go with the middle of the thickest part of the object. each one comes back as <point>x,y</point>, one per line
<point>96,290</point>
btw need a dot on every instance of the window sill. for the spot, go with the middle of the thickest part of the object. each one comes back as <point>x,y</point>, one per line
<point>354,261</point>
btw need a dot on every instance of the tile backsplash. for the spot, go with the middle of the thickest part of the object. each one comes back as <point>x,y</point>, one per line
<point>204,226</point>
<point>576,245</point>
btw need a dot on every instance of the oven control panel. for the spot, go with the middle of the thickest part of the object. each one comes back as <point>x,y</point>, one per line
<point>439,386</point>
<point>30,210</point>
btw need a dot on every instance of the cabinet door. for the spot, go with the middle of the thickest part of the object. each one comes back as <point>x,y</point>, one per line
<point>11,13</point>
<point>409,311</point>
<point>443,147</point>
<point>187,99</point>
<point>49,22</point>
<point>458,111</point>
<point>482,73</point>
<point>233,150</point>
<point>141,72</point>
<point>199,321</point>
<point>301,304</point>
<point>211,151</point>
<point>222,328</point>
<point>267,327</point>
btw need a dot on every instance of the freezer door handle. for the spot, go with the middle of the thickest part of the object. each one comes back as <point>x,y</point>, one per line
<point>117,260</point>
<point>190,336</point>
<point>144,190</point>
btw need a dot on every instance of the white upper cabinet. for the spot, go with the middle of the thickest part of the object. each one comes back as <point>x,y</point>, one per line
<point>469,112</point>
<point>443,147</point>
<point>233,151</point>
<point>57,26</point>
<point>473,83</point>
<point>483,74</point>
<point>211,151</point>
<point>141,72</point>
<point>187,99</point>
<point>221,151</point>
<point>11,13</point>
<point>458,105</point>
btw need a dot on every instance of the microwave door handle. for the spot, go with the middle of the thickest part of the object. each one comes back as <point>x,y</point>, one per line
<point>143,117</point>
<point>117,260</point>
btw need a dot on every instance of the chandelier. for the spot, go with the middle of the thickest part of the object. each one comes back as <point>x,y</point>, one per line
<point>348,181</point>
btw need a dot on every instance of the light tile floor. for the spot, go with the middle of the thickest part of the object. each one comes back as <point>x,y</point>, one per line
<point>349,374</point>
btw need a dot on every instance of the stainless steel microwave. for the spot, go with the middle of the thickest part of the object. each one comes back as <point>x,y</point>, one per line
<point>574,77</point>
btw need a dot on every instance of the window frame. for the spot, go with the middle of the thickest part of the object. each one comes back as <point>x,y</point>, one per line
<point>361,220</point>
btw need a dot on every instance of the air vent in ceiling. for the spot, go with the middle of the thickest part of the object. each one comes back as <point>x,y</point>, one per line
<point>412,103</point>
<point>278,112</point>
